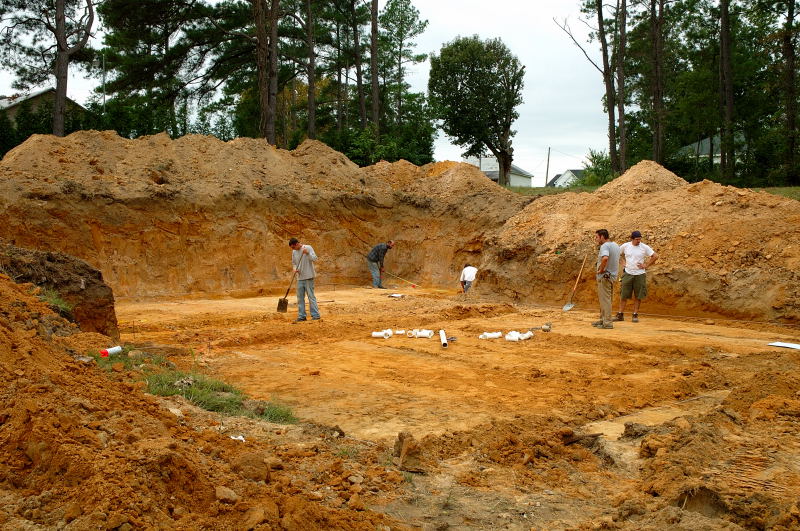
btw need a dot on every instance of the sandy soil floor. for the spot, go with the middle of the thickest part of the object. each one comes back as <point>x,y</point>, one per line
<point>334,373</point>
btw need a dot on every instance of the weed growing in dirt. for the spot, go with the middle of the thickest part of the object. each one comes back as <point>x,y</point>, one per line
<point>54,300</point>
<point>215,395</point>
<point>202,391</point>
<point>408,477</point>
<point>347,452</point>
<point>272,411</point>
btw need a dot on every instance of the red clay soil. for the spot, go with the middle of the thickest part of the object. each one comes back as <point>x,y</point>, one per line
<point>81,449</point>
<point>197,215</point>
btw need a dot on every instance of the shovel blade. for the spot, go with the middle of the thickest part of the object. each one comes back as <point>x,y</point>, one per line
<point>283,305</point>
<point>568,306</point>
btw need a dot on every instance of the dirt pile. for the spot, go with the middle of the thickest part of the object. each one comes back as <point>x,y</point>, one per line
<point>722,249</point>
<point>89,299</point>
<point>197,215</point>
<point>159,216</point>
<point>80,449</point>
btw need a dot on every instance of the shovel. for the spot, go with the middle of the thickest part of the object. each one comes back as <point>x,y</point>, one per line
<point>283,304</point>
<point>570,305</point>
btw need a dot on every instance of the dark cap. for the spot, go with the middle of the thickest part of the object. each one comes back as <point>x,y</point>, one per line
<point>635,234</point>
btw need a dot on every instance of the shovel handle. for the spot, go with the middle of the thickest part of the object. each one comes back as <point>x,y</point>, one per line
<point>293,275</point>
<point>580,273</point>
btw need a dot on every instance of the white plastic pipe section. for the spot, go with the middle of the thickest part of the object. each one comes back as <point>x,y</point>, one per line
<point>516,336</point>
<point>443,338</point>
<point>491,335</point>
<point>420,333</point>
<point>385,334</point>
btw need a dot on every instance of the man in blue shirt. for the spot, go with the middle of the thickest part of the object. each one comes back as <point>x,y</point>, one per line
<point>606,274</point>
<point>375,262</point>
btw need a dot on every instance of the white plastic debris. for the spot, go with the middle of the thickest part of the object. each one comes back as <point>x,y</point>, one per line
<point>238,437</point>
<point>491,335</point>
<point>785,345</point>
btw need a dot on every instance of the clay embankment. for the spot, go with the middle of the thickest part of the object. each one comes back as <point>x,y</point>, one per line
<point>722,249</point>
<point>164,217</point>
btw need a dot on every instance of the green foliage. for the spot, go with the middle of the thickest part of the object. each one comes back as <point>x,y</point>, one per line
<point>213,395</point>
<point>474,88</point>
<point>53,299</point>
<point>596,170</point>
<point>8,134</point>
<point>202,391</point>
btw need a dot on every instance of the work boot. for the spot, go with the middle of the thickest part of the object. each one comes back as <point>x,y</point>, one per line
<point>635,318</point>
<point>619,317</point>
<point>597,324</point>
<point>298,320</point>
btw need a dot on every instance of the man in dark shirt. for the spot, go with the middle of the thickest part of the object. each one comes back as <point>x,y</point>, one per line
<point>375,262</point>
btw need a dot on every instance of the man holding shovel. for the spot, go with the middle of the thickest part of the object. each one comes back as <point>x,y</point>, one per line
<point>606,274</point>
<point>375,262</point>
<point>303,258</point>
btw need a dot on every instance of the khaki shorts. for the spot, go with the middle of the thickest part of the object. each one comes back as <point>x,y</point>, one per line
<point>633,285</point>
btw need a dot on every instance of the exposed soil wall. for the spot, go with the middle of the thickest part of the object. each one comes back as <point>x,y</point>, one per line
<point>162,217</point>
<point>76,282</point>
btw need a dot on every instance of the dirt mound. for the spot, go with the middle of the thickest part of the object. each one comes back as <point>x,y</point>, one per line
<point>78,448</point>
<point>197,215</point>
<point>646,177</point>
<point>722,249</point>
<point>90,300</point>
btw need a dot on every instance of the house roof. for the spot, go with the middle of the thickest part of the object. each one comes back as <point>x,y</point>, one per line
<point>7,102</point>
<point>516,170</point>
<point>576,173</point>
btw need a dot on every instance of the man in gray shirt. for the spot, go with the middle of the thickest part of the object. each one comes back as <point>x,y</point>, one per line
<point>606,274</point>
<point>303,258</point>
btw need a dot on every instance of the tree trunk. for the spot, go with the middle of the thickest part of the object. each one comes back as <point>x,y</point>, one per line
<point>312,73</point>
<point>262,66</point>
<point>61,70</point>
<point>608,80</point>
<point>622,18</point>
<point>727,162</point>
<point>504,160</point>
<point>374,67</point>
<point>790,60</point>
<point>362,104</point>
<point>339,93</point>
<point>272,101</point>
<point>657,81</point>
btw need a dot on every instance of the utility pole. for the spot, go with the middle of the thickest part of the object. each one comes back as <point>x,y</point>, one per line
<point>547,171</point>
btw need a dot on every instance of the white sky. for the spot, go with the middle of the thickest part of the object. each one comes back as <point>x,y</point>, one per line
<point>562,105</point>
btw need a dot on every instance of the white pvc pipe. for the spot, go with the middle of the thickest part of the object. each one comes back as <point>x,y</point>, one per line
<point>425,333</point>
<point>512,336</point>
<point>399,332</point>
<point>412,333</point>
<point>491,335</point>
<point>382,334</point>
<point>443,338</point>
<point>526,335</point>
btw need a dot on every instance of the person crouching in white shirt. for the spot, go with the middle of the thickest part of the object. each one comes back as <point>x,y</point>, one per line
<point>468,277</point>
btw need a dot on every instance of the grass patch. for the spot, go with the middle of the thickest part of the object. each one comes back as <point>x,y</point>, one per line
<point>347,452</point>
<point>549,190</point>
<point>202,391</point>
<point>792,192</point>
<point>53,299</point>
<point>215,395</point>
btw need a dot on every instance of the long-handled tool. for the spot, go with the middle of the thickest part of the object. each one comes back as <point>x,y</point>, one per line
<point>283,304</point>
<point>413,285</point>
<point>570,305</point>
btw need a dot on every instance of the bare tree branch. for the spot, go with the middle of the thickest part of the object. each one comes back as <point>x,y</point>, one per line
<point>566,29</point>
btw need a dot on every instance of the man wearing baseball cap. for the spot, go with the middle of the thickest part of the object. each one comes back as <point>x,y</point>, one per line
<point>636,257</point>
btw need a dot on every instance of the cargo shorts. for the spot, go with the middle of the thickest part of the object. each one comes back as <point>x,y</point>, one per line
<point>633,285</point>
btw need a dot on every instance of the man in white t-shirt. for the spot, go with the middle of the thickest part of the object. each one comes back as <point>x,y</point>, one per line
<point>468,277</point>
<point>636,257</point>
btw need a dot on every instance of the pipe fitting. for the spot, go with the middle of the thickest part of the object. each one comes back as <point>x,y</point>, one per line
<point>443,338</point>
<point>491,335</point>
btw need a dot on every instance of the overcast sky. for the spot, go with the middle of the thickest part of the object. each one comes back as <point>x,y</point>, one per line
<point>562,105</point>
